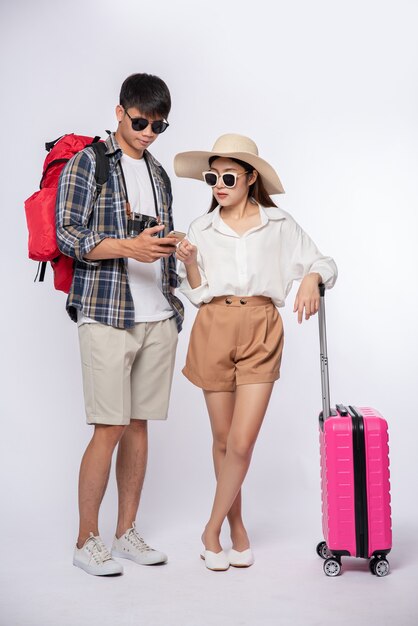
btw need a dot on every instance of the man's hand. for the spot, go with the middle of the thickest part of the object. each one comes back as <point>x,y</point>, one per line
<point>148,248</point>
<point>307,296</point>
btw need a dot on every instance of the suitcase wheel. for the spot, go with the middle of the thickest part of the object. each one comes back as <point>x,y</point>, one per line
<point>323,551</point>
<point>379,566</point>
<point>332,566</point>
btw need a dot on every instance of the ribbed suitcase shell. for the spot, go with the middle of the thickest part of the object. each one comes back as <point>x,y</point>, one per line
<point>338,483</point>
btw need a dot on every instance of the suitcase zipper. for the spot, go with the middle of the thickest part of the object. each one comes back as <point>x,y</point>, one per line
<point>360,484</point>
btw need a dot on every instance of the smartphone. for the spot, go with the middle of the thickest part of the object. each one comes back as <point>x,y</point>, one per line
<point>177,234</point>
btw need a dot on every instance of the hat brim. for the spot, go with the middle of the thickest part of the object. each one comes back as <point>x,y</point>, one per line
<point>191,165</point>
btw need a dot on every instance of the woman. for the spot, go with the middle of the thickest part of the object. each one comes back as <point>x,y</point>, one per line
<point>237,265</point>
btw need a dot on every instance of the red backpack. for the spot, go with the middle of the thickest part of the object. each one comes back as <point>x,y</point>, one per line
<point>40,207</point>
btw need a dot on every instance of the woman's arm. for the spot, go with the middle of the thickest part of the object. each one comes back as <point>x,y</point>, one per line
<point>307,297</point>
<point>311,267</point>
<point>193,282</point>
<point>187,254</point>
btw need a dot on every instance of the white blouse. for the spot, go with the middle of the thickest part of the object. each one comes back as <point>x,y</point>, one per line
<point>264,261</point>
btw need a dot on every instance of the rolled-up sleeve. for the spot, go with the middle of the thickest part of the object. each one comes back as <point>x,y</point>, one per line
<point>200,294</point>
<point>306,258</point>
<point>75,199</point>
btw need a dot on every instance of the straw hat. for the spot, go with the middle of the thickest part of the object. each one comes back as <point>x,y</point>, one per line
<point>192,164</point>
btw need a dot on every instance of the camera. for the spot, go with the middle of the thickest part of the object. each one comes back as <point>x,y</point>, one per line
<point>138,222</point>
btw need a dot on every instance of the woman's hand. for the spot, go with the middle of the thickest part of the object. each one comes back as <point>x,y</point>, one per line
<point>186,252</point>
<point>307,296</point>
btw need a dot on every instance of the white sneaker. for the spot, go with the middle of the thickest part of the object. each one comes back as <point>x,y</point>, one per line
<point>132,546</point>
<point>94,558</point>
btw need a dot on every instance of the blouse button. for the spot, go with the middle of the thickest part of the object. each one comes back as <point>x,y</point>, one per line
<point>242,301</point>
<point>228,300</point>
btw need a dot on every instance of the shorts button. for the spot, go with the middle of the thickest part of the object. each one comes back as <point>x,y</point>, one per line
<point>228,300</point>
<point>242,301</point>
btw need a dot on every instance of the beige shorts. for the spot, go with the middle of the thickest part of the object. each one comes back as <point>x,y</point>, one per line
<point>235,341</point>
<point>127,374</point>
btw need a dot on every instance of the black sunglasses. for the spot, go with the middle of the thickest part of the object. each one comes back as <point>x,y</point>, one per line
<point>140,123</point>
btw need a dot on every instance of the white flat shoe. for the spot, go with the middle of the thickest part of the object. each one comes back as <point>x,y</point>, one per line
<point>241,559</point>
<point>216,561</point>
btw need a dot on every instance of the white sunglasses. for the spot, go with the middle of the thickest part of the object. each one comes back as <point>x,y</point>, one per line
<point>229,179</point>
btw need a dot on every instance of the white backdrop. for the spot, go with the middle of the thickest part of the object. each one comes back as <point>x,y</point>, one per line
<point>328,91</point>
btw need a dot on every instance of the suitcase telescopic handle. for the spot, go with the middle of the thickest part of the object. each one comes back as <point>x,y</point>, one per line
<point>326,403</point>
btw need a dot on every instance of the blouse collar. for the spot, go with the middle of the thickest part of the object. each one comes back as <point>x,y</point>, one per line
<point>266,213</point>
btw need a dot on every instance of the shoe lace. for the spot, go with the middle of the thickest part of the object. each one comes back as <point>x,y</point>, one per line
<point>98,550</point>
<point>136,540</point>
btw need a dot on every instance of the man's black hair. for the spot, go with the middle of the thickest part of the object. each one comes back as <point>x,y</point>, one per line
<point>147,93</point>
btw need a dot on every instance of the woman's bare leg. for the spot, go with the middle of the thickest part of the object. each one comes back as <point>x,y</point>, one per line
<point>250,406</point>
<point>220,405</point>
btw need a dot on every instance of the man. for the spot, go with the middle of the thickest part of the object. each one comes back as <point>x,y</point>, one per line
<point>128,317</point>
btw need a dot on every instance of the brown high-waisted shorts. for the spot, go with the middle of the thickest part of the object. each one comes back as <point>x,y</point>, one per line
<point>235,341</point>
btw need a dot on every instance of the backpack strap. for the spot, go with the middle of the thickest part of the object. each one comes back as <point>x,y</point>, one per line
<point>101,173</point>
<point>41,271</point>
<point>48,167</point>
<point>50,144</point>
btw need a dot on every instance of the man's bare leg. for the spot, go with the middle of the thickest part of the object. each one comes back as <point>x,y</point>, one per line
<point>94,476</point>
<point>131,465</point>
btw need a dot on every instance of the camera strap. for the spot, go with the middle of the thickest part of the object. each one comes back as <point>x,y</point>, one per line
<point>152,184</point>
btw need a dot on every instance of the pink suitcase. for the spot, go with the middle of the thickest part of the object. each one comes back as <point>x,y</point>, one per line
<point>356,512</point>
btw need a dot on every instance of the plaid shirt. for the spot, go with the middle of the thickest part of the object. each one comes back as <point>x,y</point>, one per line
<point>100,289</point>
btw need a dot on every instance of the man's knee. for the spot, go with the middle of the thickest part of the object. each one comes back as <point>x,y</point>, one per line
<point>108,435</point>
<point>139,426</point>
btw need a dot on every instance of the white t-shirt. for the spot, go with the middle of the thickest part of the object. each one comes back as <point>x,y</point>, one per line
<point>144,278</point>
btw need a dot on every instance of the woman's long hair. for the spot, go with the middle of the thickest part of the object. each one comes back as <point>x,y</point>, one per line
<point>256,191</point>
